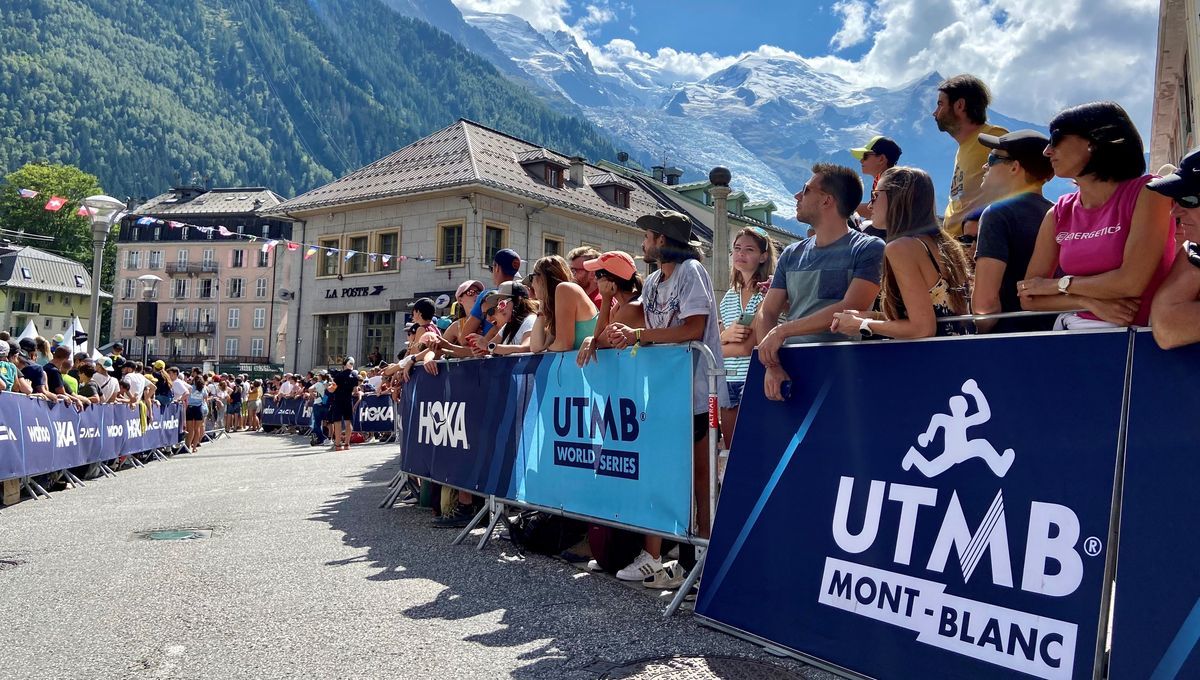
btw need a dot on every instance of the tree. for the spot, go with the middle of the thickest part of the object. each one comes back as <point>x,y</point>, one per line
<point>71,234</point>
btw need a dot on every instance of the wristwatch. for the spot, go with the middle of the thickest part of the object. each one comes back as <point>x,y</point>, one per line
<point>864,328</point>
<point>1192,251</point>
<point>1064,283</point>
<point>491,347</point>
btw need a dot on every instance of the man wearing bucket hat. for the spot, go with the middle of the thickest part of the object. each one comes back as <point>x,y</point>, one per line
<point>1175,312</point>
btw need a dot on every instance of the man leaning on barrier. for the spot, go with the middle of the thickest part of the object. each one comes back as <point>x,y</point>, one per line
<point>680,306</point>
<point>1175,313</point>
<point>835,269</point>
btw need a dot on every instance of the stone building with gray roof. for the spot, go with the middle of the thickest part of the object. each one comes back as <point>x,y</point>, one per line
<point>442,206</point>
<point>42,287</point>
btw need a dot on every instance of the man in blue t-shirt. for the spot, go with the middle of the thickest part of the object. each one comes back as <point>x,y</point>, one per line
<point>835,269</point>
<point>506,266</point>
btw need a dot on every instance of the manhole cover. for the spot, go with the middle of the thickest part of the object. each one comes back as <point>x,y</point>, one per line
<point>701,667</point>
<point>174,534</point>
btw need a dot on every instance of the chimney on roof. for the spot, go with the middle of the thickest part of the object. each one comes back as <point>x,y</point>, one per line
<point>657,172</point>
<point>673,174</point>
<point>578,163</point>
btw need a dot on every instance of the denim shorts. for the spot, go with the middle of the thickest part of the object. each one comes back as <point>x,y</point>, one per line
<point>735,393</point>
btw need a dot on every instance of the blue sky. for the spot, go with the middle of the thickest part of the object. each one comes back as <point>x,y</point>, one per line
<point>1038,56</point>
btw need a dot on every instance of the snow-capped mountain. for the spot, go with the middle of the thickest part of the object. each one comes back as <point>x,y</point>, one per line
<point>767,118</point>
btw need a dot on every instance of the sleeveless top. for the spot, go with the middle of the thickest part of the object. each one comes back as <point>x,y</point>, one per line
<point>939,295</point>
<point>585,328</point>
<point>1092,240</point>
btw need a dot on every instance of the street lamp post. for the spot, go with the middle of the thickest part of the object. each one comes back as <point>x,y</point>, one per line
<point>719,177</point>
<point>147,310</point>
<point>103,212</point>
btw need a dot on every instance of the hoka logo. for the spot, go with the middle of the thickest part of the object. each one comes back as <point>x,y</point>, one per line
<point>64,435</point>
<point>375,414</point>
<point>443,423</point>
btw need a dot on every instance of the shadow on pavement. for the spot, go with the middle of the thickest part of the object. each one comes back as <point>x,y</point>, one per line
<point>578,624</point>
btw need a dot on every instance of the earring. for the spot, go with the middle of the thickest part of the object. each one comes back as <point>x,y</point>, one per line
<point>1091,149</point>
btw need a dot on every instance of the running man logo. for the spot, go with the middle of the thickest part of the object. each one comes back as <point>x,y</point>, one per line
<point>443,423</point>
<point>64,435</point>
<point>958,449</point>
<point>925,530</point>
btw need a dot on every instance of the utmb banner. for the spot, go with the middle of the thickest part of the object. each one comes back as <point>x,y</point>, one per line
<point>925,510</point>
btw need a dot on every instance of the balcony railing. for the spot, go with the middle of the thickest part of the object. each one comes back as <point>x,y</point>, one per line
<point>198,359</point>
<point>190,268</point>
<point>33,307</point>
<point>188,327</point>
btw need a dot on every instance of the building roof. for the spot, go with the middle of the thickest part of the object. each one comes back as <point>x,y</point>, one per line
<point>46,272</point>
<point>189,201</point>
<point>462,155</point>
<point>609,179</point>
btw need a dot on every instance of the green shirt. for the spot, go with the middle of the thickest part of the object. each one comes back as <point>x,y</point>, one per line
<point>8,372</point>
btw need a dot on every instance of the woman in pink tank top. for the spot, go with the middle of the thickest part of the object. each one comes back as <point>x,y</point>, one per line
<point>1107,247</point>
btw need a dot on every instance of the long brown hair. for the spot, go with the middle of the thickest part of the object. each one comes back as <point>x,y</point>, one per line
<point>522,307</point>
<point>910,212</point>
<point>764,270</point>
<point>554,270</point>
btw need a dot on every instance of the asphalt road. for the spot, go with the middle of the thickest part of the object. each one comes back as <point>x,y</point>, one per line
<point>303,576</point>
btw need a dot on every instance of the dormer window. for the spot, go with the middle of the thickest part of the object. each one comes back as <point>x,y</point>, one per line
<point>621,197</point>
<point>26,274</point>
<point>613,189</point>
<point>553,176</point>
<point>543,166</point>
<point>78,281</point>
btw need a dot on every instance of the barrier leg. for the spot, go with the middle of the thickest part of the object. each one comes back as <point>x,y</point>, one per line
<point>462,535</point>
<point>157,455</point>
<point>72,478</point>
<point>497,511</point>
<point>35,488</point>
<point>692,577</point>
<point>399,477</point>
<point>107,471</point>
<point>136,463</point>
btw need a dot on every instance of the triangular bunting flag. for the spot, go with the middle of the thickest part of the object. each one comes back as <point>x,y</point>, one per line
<point>350,254</point>
<point>175,225</point>
<point>386,259</point>
<point>223,231</point>
<point>309,253</point>
<point>27,193</point>
<point>269,245</point>
<point>145,220</point>
<point>292,245</point>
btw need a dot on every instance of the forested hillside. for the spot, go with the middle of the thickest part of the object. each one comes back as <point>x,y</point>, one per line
<point>283,93</point>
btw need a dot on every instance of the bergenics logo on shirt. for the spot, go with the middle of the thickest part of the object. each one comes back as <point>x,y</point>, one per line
<point>1029,642</point>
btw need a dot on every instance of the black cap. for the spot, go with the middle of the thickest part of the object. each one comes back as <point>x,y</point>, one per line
<point>1185,181</point>
<point>1026,146</point>
<point>28,344</point>
<point>509,261</point>
<point>674,225</point>
<point>884,146</point>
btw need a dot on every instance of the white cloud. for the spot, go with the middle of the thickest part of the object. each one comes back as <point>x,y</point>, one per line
<point>855,24</point>
<point>1038,57</point>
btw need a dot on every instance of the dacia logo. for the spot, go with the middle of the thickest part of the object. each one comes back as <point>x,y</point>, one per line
<point>443,423</point>
<point>64,434</point>
<point>375,414</point>
<point>89,433</point>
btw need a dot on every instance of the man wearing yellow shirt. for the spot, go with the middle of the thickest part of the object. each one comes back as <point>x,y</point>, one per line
<point>962,113</point>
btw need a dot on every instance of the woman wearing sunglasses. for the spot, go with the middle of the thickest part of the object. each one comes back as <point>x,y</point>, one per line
<point>465,296</point>
<point>512,314</point>
<point>567,313</point>
<point>1107,247</point>
<point>620,289</point>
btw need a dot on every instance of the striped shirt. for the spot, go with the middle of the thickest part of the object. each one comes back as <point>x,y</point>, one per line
<point>731,312</point>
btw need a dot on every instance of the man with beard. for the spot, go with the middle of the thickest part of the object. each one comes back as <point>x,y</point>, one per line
<point>835,269</point>
<point>962,113</point>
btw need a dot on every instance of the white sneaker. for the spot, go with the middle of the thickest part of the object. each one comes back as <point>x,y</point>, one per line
<point>668,578</point>
<point>642,567</point>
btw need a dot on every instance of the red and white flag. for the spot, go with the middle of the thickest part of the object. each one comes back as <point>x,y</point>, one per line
<point>55,203</point>
<point>83,212</point>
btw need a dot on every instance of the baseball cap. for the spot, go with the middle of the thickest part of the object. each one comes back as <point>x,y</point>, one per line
<point>615,262</point>
<point>1185,181</point>
<point>106,363</point>
<point>509,289</point>
<point>884,146</point>
<point>1026,146</point>
<point>674,225</point>
<point>468,285</point>
<point>160,364</point>
<point>27,344</point>
<point>509,261</point>
<point>58,339</point>
<point>3,349</point>
<point>349,362</point>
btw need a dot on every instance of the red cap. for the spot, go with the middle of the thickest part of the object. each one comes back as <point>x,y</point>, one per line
<point>618,263</point>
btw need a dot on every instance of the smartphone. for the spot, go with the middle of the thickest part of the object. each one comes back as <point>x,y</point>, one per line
<point>747,319</point>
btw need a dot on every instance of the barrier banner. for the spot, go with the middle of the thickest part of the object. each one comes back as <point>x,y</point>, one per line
<point>460,426</point>
<point>374,414</point>
<point>91,432</point>
<point>38,441</point>
<point>287,410</point>
<point>64,433</point>
<point>1156,621</point>
<point>12,452</point>
<point>269,413</point>
<point>934,509</point>
<point>305,414</point>
<point>614,440</point>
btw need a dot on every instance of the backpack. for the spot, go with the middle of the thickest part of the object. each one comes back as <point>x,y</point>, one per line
<point>546,534</point>
<point>613,549</point>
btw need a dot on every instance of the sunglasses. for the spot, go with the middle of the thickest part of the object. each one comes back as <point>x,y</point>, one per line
<point>875,194</point>
<point>490,311</point>
<point>993,159</point>
<point>601,275</point>
<point>1187,202</point>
